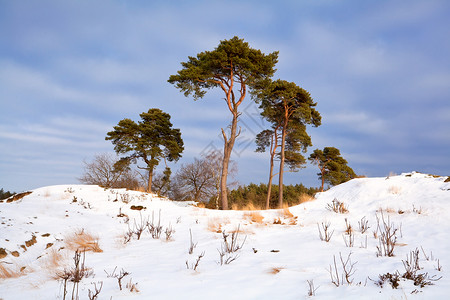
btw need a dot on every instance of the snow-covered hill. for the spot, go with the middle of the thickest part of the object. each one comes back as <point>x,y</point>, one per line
<point>280,249</point>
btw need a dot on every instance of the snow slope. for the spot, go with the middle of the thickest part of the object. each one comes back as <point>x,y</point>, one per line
<point>275,262</point>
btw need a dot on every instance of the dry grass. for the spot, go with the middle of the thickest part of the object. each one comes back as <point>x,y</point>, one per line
<point>305,198</point>
<point>47,193</point>
<point>200,205</point>
<point>393,189</point>
<point>141,189</point>
<point>83,241</point>
<point>286,215</point>
<point>387,209</point>
<point>7,271</point>
<point>216,224</point>
<point>254,217</point>
<point>275,270</point>
<point>53,260</point>
<point>250,206</point>
<point>17,197</point>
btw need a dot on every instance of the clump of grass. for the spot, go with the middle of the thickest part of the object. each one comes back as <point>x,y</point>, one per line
<point>305,198</point>
<point>53,260</point>
<point>249,206</point>
<point>393,189</point>
<point>215,224</point>
<point>337,206</point>
<point>254,217</point>
<point>8,272</point>
<point>83,240</point>
<point>275,270</point>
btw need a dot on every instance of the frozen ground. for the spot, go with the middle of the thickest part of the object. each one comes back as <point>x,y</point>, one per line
<point>275,261</point>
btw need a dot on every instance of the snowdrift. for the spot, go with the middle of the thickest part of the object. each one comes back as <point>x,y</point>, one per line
<point>174,250</point>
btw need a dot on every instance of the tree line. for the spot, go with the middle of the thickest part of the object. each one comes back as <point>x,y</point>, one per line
<point>238,71</point>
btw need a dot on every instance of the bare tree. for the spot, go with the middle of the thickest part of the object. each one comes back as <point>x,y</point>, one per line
<point>104,171</point>
<point>196,180</point>
<point>200,180</point>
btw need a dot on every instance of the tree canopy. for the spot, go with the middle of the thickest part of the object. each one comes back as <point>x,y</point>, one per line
<point>151,140</point>
<point>333,167</point>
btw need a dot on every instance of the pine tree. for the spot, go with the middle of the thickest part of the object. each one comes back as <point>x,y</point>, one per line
<point>232,67</point>
<point>269,139</point>
<point>333,167</point>
<point>289,108</point>
<point>150,140</point>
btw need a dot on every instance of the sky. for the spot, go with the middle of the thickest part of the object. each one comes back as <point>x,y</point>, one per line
<point>71,70</point>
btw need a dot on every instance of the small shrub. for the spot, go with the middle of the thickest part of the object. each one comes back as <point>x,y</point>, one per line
<point>340,277</point>
<point>191,245</point>
<point>74,274</point>
<point>387,238</point>
<point>155,229</point>
<point>233,245</point>
<point>311,288</point>
<point>363,225</point>
<point>169,232</point>
<point>228,248</point>
<point>122,274</point>
<point>392,279</point>
<point>411,265</point>
<point>194,266</point>
<point>93,295</point>
<point>132,287</point>
<point>337,207</point>
<point>326,236</point>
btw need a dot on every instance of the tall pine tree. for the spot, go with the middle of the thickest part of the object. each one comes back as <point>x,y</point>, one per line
<point>233,67</point>
<point>290,108</point>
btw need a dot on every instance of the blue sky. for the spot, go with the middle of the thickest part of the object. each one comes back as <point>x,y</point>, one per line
<point>70,70</point>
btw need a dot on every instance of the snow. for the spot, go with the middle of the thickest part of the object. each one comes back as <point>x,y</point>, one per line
<point>275,261</point>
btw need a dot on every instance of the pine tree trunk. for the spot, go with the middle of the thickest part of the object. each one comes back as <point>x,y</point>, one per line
<point>323,181</point>
<point>280,176</point>
<point>150,179</point>
<point>269,187</point>
<point>228,147</point>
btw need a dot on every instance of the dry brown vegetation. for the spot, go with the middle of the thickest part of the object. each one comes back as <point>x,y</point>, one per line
<point>216,224</point>
<point>53,260</point>
<point>305,198</point>
<point>17,196</point>
<point>254,217</point>
<point>287,216</point>
<point>10,271</point>
<point>393,189</point>
<point>249,206</point>
<point>82,240</point>
<point>275,270</point>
